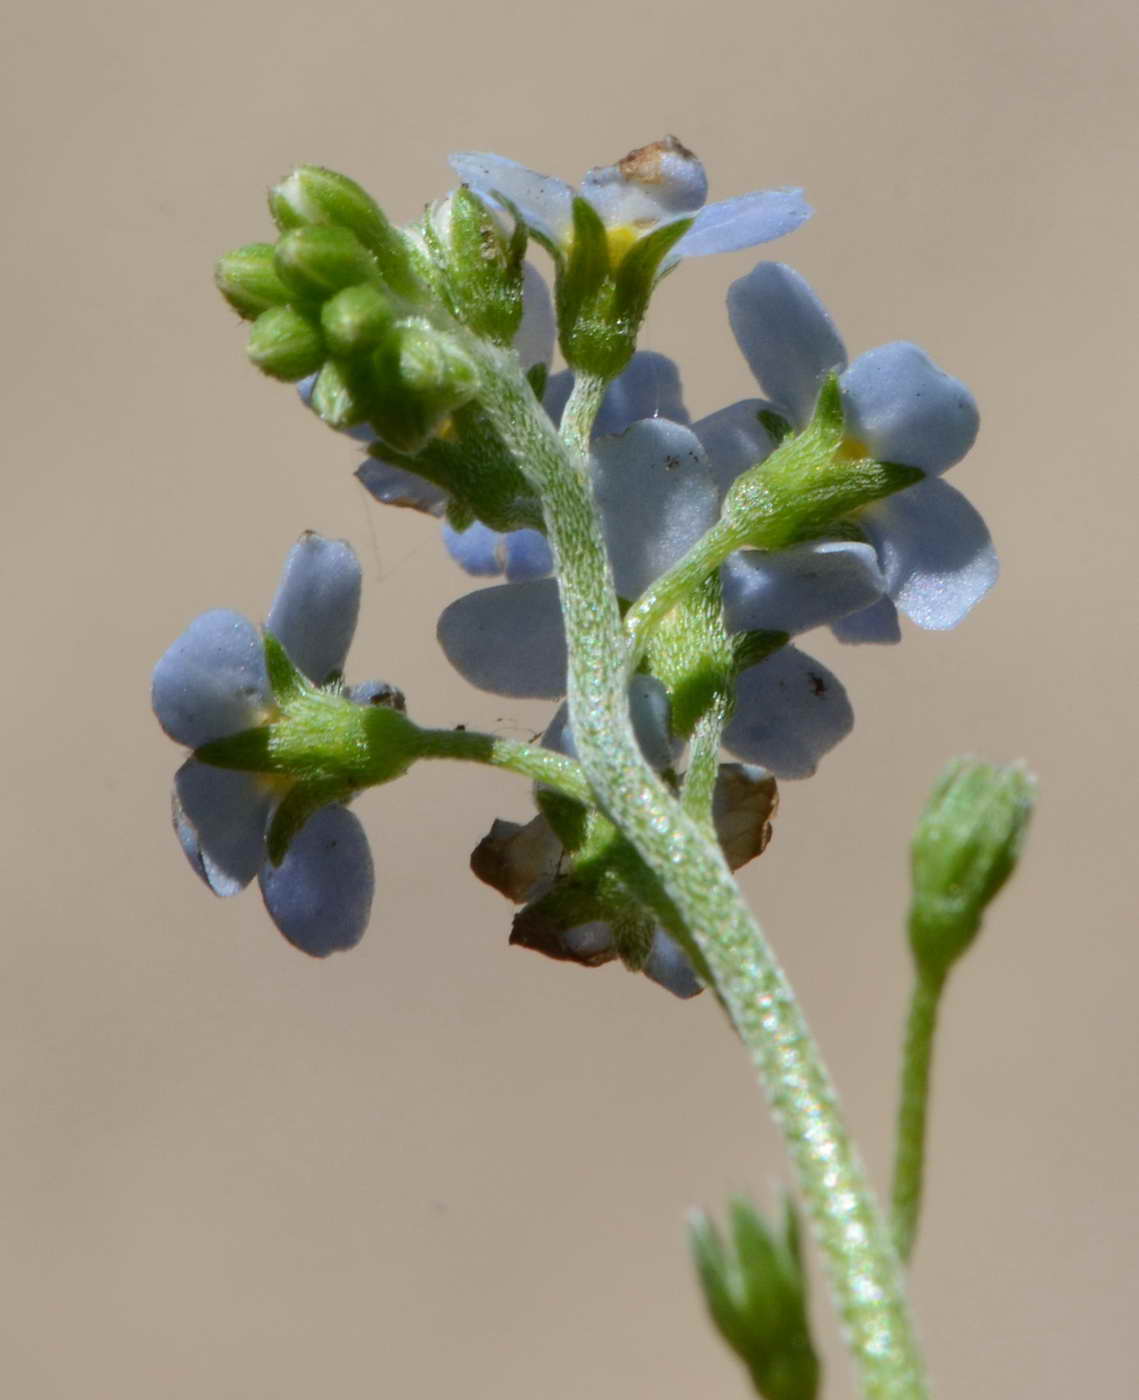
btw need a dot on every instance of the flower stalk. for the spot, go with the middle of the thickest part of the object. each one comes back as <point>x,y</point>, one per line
<point>865,1274</point>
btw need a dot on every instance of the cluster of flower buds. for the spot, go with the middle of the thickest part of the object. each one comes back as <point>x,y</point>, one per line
<point>816,503</point>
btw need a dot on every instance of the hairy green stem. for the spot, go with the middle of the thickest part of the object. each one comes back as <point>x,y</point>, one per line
<point>664,593</point>
<point>913,1111</point>
<point>530,760</point>
<point>865,1273</point>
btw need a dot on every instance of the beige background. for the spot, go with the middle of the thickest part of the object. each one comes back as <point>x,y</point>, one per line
<point>439,1166</point>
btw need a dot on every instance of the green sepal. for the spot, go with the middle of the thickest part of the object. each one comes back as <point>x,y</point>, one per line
<point>586,265</point>
<point>248,751</point>
<point>286,682</point>
<point>297,806</point>
<point>247,278</point>
<point>774,424</point>
<point>319,260</point>
<point>965,847</point>
<point>474,466</point>
<point>807,484</point>
<point>755,1288</point>
<point>639,270</point>
<point>357,319</point>
<point>315,195</point>
<point>750,648</point>
<point>285,343</point>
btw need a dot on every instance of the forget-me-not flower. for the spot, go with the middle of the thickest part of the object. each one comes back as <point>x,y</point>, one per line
<point>651,187</point>
<point>935,553</point>
<point>211,683</point>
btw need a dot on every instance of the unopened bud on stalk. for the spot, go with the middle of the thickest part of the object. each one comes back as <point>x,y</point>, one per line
<point>966,845</point>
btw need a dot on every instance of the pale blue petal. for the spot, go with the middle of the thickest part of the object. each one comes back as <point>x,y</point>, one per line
<point>320,896</point>
<point>393,486</point>
<point>652,185</point>
<point>905,409</point>
<point>538,331</point>
<point>734,439</point>
<point>786,336</point>
<point>212,681</point>
<point>649,387</point>
<point>544,202</point>
<point>220,818</point>
<point>377,692</point>
<point>589,942</point>
<point>519,554</point>
<point>314,612</point>
<point>478,549</point>
<point>877,623</point>
<point>528,556</point>
<point>790,711</point>
<point>935,550</point>
<point>656,497</point>
<point>362,432</point>
<point>744,221</point>
<point>668,966</point>
<point>793,590</point>
<point>508,639</point>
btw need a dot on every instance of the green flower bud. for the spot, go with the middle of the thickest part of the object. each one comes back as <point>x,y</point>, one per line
<point>313,195</point>
<point>336,397</point>
<point>285,344</point>
<point>248,280</point>
<point>967,843</point>
<point>478,263</point>
<point>357,319</point>
<point>318,261</point>
<point>421,376</point>
<point>756,1291</point>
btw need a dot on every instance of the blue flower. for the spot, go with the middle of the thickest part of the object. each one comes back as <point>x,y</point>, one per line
<point>213,683</point>
<point>657,495</point>
<point>651,187</point>
<point>933,548</point>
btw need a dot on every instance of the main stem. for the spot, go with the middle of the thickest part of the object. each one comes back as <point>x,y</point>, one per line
<point>864,1270</point>
<point>913,1110</point>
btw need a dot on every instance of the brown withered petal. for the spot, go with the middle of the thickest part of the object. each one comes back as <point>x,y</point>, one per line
<point>518,861</point>
<point>744,803</point>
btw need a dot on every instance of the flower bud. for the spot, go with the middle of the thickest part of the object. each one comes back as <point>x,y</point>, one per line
<point>318,261</point>
<point>285,344</point>
<point>357,319</point>
<point>335,396</point>
<point>756,1292</point>
<point>312,195</point>
<point>966,845</point>
<point>420,378</point>
<point>248,280</point>
<point>479,263</point>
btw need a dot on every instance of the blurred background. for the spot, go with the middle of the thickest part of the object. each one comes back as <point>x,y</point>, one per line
<point>439,1165</point>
